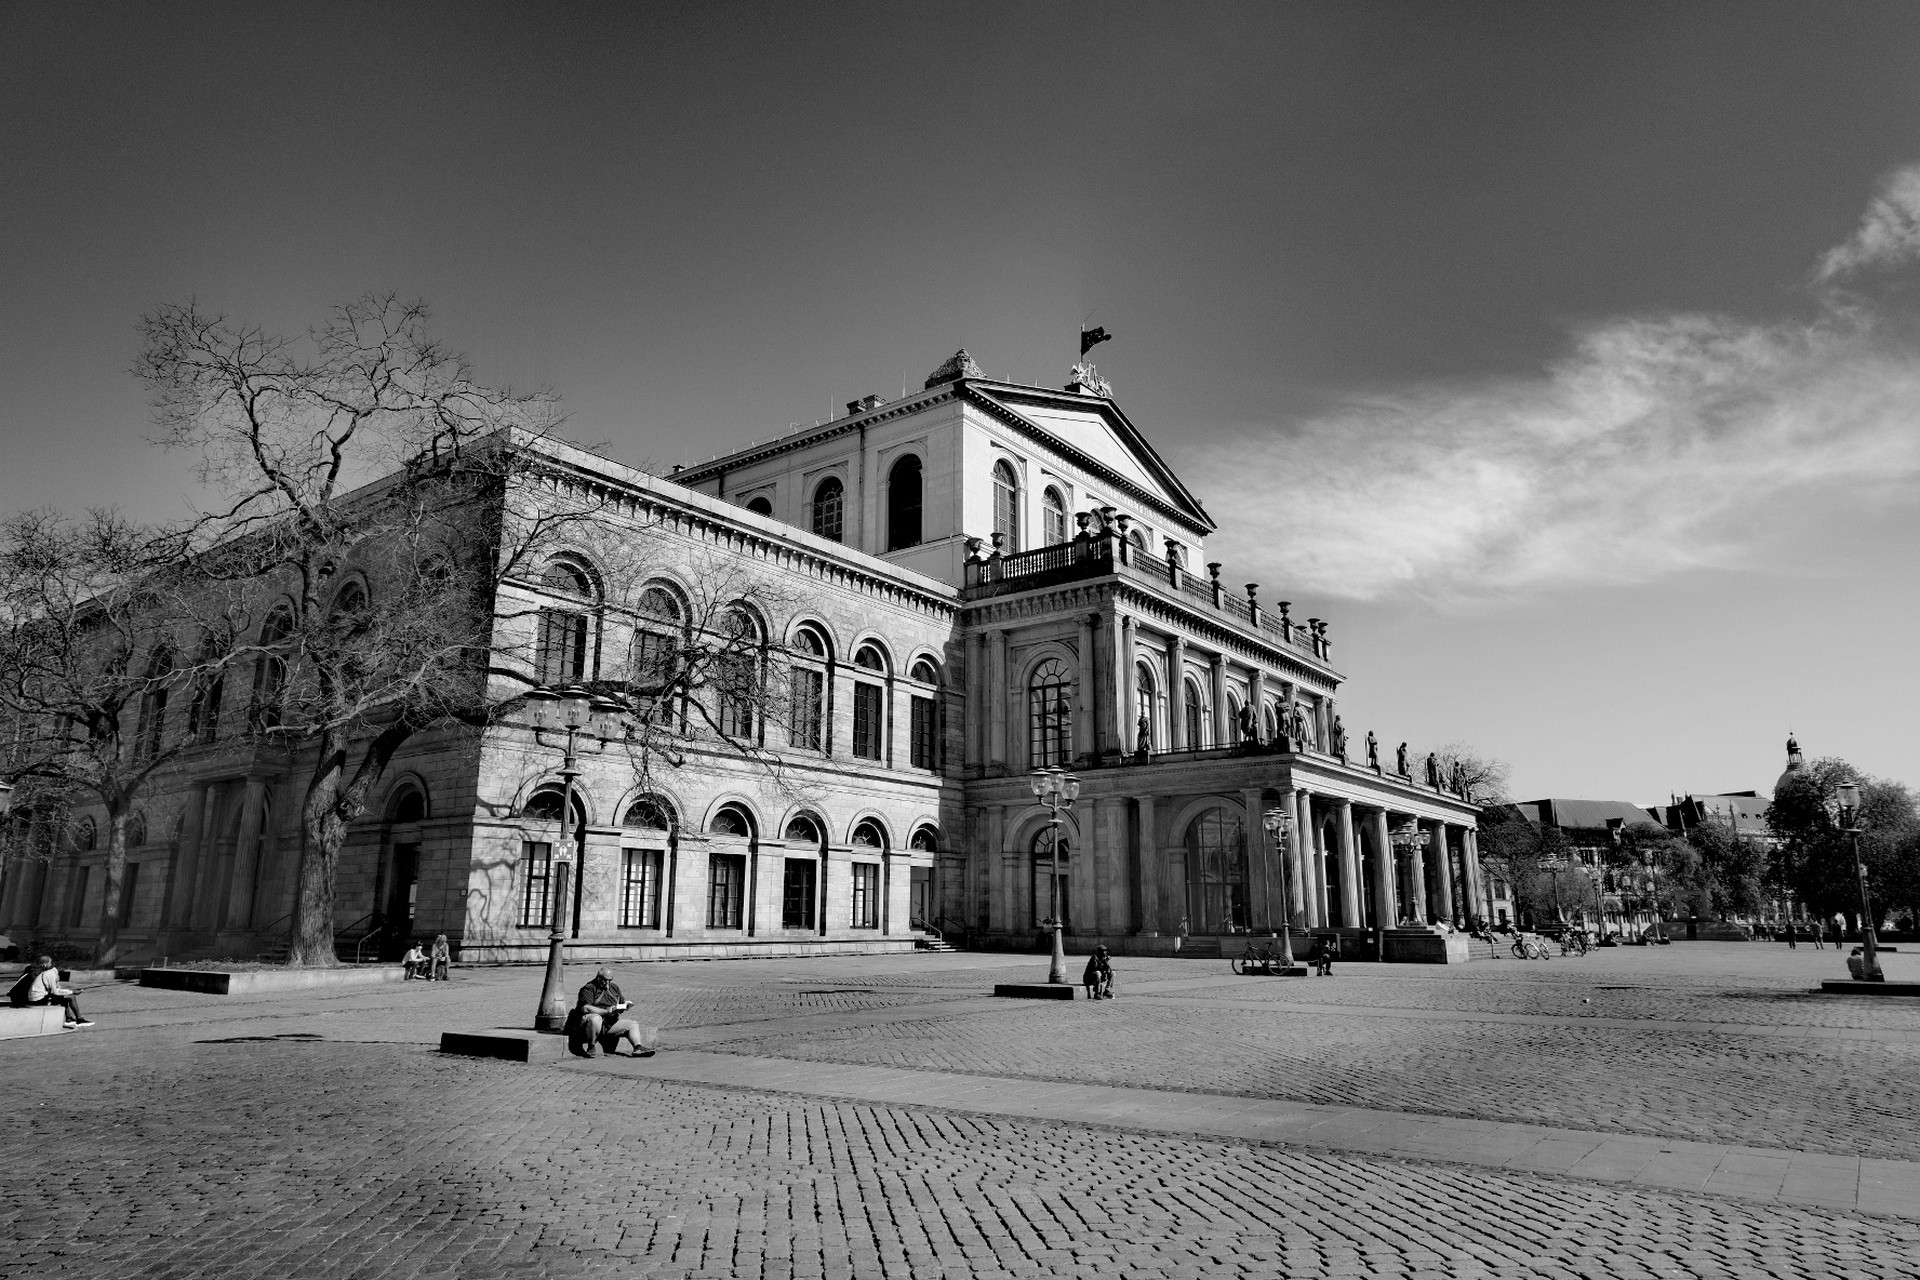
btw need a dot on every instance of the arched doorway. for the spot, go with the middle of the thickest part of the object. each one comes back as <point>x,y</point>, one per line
<point>1217,872</point>
<point>400,905</point>
<point>1051,842</point>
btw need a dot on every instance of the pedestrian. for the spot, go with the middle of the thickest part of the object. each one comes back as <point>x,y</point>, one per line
<point>1329,952</point>
<point>440,960</point>
<point>596,1023</point>
<point>1813,929</point>
<point>40,984</point>
<point>1098,975</point>
<point>415,960</point>
<point>1791,944</point>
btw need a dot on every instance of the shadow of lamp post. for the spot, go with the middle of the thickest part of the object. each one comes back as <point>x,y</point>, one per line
<point>1057,789</point>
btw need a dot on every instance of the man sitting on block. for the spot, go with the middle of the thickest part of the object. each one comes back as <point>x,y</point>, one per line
<point>598,1024</point>
<point>41,985</point>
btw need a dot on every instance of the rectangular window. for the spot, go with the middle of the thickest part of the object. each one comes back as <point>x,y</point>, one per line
<point>869,735</point>
<point>127,885</point>
<point>734,674</point>
<point>640,890</point>
<point>798,893</point>
<point>809,722</point>
<point>77,909</point>
<point>536,867</point>
<point>561,657</point>
<point>923,733</point>
<point>866,895</point>
<point>726,890</point>
<point>654,658</point>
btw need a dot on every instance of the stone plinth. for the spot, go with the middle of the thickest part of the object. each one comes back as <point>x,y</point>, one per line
<point>1036,991</point>
<point>234,982</point>
<point>1425,944</point>
<point>1852,987</point>
<point>34,1020</point>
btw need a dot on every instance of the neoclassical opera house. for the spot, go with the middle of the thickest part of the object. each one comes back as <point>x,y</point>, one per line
<point>962,586</point>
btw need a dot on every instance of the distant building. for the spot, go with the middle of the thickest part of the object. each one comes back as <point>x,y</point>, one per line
<point>1591,828</point>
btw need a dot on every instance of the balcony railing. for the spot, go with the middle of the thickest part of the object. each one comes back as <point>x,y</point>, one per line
<point>1097,557</point>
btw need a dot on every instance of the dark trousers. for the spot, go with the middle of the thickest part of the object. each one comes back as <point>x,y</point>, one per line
<point>70,1003</point>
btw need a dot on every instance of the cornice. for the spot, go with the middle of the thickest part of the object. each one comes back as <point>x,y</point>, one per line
<point>807,439</point>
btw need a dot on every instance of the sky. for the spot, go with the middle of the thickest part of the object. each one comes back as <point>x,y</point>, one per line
<point>1566,358</point>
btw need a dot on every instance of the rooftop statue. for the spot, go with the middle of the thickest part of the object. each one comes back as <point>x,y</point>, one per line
<point>1373,751</point>
<point>1400,762</point>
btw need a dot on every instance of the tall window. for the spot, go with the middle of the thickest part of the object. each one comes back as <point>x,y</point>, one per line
<point>536,866</point>
<point>1143,704</point>
<point>808,691</point>
<point>798,893</point>
<point>209,688</point>
<point>726,890</point>
<point>270,672</point>
<point>903,504</point>
<point>560,654</point>
<point>152,725</point>
<point>1006,506</point>
<point>869,706</point>
<point>1049,715</point>
<point>658,635</point>
<point>737,674</point>
<point>1217,872</point>
<point>1196,717</point>
<point>640,889</point>
<point>1053,515</point>
<point>829,507</point>
<point>127,886</point>
<point>866,895</point>
<point>77,909</point>
<point>1045,849</point>
<point>924,729</point>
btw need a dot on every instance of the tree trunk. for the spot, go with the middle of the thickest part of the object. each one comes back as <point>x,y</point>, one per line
<point>322,832</point>
<point>109,943</point>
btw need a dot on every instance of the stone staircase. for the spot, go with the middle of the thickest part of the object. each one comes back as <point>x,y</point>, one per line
<point>931,942</point>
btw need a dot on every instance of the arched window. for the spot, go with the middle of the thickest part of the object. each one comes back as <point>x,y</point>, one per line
<point>870,704</point>
<point>1233,720</point>
<point>136,830</point>
<point>807,724</point>
<point>560,653</point>
<point>829,507</point>
<point>760,505</point>
<point>925,672</point>
<point>1053,515</point>
<point>1139,541</point>
<point>85,836</point>
<point>1196,717</point>
<point>730,821</point>
<point>1048,843</point>
<point>151,731</point>
<point>925,840</point>
<point>1143,707</point>
<point>803,830</point>
<point>869,839</point>
<point>1217,871</point>
<point>349,608</point>
<point>209,690</point>
<point>411,806</point>
<point>649,814</point>
<point>270,671</point>
<point>923,729</point>
<point>1006,506</point>
<point>1049,715</point>
<point>544,806</point>
<point>1272,729</point>
<point>736,673</point>
<point>868,835</point>
<point>659,638</point>
<point>903,503</point>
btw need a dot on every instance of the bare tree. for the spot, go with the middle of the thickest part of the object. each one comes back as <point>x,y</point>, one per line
<point>95,638</point>
<point>1478,778</point>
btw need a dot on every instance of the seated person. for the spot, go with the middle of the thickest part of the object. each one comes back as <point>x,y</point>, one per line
<point>1326,953</point>
<point>415,960</point>
<point>41,985</point>
<point>440,960</point>
<point>597,1023</point>
<point>1098,977</point>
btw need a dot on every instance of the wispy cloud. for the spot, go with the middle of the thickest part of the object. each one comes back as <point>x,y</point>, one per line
<point>1655,445</point>
<point>1889,232</point>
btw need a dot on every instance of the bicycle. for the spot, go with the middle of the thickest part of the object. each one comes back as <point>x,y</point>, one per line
<point>1574,943</point>
<point>1527,946</point>
<point>1258,958</point>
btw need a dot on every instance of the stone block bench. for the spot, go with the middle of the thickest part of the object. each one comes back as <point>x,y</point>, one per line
<point>34,1020</point>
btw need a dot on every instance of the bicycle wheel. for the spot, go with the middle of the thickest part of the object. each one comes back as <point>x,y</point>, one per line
<point>1240,964</point>
<point>1519,950</point>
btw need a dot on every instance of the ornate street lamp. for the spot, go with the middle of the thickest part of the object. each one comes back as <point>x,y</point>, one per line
<point>1409,839</point>
<point>1849,796</point>
<point>1057,789</point>
<point>571,710</point>
<point>1278,822</point>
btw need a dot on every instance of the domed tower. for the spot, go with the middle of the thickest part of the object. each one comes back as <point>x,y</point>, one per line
<point>1794,764</point>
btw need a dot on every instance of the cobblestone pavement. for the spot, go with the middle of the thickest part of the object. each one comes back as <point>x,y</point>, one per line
<point>289,1158</point>
<point>314,1134</point>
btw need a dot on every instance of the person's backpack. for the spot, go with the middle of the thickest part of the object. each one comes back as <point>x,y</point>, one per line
<point>17,993</point>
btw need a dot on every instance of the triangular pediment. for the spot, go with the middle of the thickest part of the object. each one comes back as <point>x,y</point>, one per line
<point>1092,432</point>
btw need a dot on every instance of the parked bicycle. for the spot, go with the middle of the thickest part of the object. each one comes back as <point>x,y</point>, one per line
<point>1574,943</point>
<point>1259,957</point>
<point>1530,946</point>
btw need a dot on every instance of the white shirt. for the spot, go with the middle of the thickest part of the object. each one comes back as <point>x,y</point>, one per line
<point>45,985</point>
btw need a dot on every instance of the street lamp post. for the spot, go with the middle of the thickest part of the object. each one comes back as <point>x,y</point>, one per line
<point>1278,823</point>
<point>1057,789</point>
<point>1849,794</point>
<point>575,710</point>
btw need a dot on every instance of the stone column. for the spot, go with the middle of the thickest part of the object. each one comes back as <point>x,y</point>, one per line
<point>1417,882</point>
<point>1349,867</point>
<point>1177,694</point>
<point>1470,871</point>
<point>1147,869</point>
<point>1257,699</point>
<point>976,700</point>
<point>1086,734</point>
<point>1127,682</point>
<point>236,908</point>
<point>1262,884</point>
<point>993,884</point>
<point>1303,820</point>
<point>1110,837</point>
<point>1385,891</point>
<point>1217,672</point>
<point>1444,866</point>
<point>1321,912</point>
<point>998,696</point>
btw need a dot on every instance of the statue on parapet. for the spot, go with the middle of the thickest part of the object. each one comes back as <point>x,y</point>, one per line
<point>1400,762</point>
<point>1373,751</point>
<point>1339,736</point>
<point>1249,725</point>
<point>1433,771</point>
<point>1143,737</point>
<point>1460,779</point>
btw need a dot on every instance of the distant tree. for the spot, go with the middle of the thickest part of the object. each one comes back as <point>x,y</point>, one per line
<point>108,671</point>
<point>1733,867</point>
<point>1815,857</point>
<point>1483,778</point>
<point>1511,850</point>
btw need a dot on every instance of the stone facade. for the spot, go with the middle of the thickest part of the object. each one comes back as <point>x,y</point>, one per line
<point>984,579</point>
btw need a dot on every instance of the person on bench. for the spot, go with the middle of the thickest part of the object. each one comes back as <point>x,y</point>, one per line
<point>416,962</point>
<point>41,985</point>
<point>598,1022</point>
